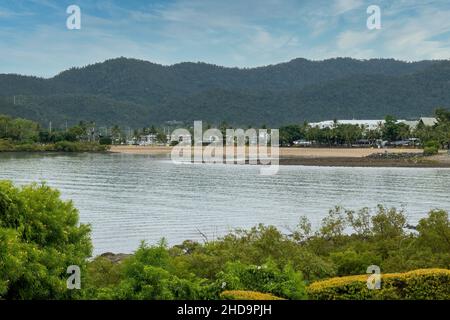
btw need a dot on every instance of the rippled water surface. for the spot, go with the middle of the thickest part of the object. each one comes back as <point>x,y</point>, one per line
<point>128,198</point>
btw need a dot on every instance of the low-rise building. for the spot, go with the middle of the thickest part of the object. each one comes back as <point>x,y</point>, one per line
<point>368,124</point>
<point>147,140</point>
<point>428,121</point>
<point>374,124</point>
<point>411,123</point>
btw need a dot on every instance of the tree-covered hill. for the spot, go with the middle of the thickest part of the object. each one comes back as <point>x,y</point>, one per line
<point>135,93</point>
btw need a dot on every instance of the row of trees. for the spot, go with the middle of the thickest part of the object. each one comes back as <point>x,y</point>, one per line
<point>390,130</point>
<point>27,131</point>
<point>40,237</point>
<point>18,134</point>
<point>23,131</point>
<point>439,134</point>
<point>18,129</point>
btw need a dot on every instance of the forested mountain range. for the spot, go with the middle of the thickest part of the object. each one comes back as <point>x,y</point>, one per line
<point>136,93</point>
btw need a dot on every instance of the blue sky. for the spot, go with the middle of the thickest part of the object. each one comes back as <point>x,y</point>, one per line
<point>34,39</point>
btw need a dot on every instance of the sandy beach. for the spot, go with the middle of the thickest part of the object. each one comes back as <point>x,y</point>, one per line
<point>151,150</point>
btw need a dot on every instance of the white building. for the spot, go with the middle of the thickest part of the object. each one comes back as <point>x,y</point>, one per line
<point>428,122</point>
<point>374,124</point>
<point>368,124</point>
<point>147,140</point>
<point>412,124</point>
<point>184,137</point>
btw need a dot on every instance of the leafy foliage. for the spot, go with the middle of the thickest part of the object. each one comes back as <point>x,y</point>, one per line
<point>246,295</point>
<point>262,259</point>
<point>24,135</point>
<point>431,284</point>
<point>266,278</point>
<point>40,237</point>
<point>147,275</point>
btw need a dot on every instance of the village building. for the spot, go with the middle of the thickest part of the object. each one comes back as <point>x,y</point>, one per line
<point>374,124</point>
<point>147,140</point>
<point>428,122</point>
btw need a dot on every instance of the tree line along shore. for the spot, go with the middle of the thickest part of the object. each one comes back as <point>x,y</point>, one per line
<point>335,145</point>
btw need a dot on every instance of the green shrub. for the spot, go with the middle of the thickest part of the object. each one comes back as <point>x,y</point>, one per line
<point>267,278</point>
<point>39,238</point>
<point>421,284</point>
<point>105,141</point>
<point>430,151</point>
<point>6,145</point>
<point>247,295</point>
<point>67,146</point>
<point>61,146</point>
<point>350,262</point>
<point>31,147</point>
<point>434,231</point>
<point>102,273</point>
<point>431,148</point>
<point>149,275</point>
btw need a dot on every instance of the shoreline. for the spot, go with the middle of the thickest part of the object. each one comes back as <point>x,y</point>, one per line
<point>365,162</point>
<point>329,157</point>
<point>322,157</point>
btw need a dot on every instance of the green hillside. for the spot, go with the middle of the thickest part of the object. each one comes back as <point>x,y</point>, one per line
<point>135,93</point>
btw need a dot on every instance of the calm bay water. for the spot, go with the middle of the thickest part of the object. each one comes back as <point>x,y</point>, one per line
<point>128,198</point>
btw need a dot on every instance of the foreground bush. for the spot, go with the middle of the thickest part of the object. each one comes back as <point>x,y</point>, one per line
<point>247,295</point>
<point>286,283</point>
<point>422,284</point>
<point>265,260</point>
<point>39,238</point>
<point>147,275</point>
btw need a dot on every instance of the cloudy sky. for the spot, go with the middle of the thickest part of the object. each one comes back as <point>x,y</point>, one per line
<point>34,39</point>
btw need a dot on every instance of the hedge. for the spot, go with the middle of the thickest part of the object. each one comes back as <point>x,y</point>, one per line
<point>247,295</point>
<point>421,284</point>
<point>67,146</point>
<point>61,146</point>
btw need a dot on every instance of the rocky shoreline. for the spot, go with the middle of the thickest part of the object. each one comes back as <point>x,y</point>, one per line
<point>115,257</point>
<point>406,161</point>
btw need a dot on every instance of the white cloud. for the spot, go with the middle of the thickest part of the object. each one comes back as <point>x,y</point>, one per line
<point>343,6</point>
<point>352,39</point>
<point>7,13</point>
<point>425,36</point>
<point>232,33</point>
